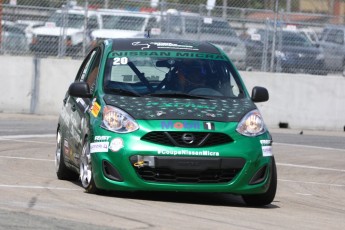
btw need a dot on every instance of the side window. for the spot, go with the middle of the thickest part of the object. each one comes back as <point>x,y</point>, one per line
<point>152,23</point>
<point>92,23</point>
<point>334,36</point>
<point>85,66</point>
<point>91,77</point>
<point>89,71</point>
<point>339,38</point>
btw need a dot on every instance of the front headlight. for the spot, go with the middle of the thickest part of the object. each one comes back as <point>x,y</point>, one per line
<point>118,121</point>
<point>251,124</point>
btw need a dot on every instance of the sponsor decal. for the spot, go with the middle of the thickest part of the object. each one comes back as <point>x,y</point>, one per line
<point>266,148</point>
<point>83,104</point>
<point>187,125</point>
<point>181,125</point>
<point>265,142</point>
<point>209,126</point>
<point>116,144</point>
<point>188,153</point>
<point>75,133</point>
<point>65,116</point>
<point>98,147</point>
<point>101,138</point>
<point>163,45</point>
<point>66,147</point>
<point>160,54</point>
<point>187,105</point>
<point>267,151</point>
<point>95,109</point>
<point>120,61</point>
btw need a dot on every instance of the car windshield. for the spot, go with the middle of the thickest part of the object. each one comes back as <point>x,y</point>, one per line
<point>68,20</point>
<point>208,26</point>
<point>171,74</point>
<point>123,22</point>
<point>287,38</point>
<point>295,39</point>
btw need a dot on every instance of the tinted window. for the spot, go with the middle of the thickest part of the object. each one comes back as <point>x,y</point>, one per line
<point>123,22</point>
<point>335,36</point>
<point>295,39</point>
<point>176,74</point>
<point>67,20</point>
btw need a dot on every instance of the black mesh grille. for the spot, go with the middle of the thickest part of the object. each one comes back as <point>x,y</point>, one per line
<point>201,139</point>
<point>168,175</point>
<point>192,170</point>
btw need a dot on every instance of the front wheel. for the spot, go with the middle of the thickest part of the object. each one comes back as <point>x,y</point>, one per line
<point>62,172</point>
<point>86,175</point>
<point>267,197</point>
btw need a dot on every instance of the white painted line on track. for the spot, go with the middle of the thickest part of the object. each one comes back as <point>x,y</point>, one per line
<point>19,138</point>
<point>312,182</point>
<point>25,158</point>
<point>304,194</point>
<point>311,167</point>
<point>27,136</point>
<point>309,146</point>
<point>36,187</point>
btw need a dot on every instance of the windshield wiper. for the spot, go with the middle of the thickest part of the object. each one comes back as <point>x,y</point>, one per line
<point>123,92</point>
<point>176,94</point>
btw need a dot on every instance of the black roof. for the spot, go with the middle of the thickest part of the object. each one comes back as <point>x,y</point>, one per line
<point>150,44</point>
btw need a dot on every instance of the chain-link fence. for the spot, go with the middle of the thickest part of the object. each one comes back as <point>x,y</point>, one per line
<point>256,35</point>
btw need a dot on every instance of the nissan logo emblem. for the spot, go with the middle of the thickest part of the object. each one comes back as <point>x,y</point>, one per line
<point>188,138</point>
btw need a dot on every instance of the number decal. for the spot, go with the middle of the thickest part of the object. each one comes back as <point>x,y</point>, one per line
<point>209,126</point>
<point>120,61</point>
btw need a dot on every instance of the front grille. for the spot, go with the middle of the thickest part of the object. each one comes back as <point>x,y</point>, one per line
<point>194,170</point>
<point>201,139</point>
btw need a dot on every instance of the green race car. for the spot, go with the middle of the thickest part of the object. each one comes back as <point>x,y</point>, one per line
<point>164,115</point>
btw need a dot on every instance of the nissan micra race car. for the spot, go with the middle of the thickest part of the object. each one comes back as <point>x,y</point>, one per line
<point>164,115</point>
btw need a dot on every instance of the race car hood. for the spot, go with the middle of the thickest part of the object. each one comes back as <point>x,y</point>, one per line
<point>104,33</point>
<point>55,31</point>
<point>152,108</point>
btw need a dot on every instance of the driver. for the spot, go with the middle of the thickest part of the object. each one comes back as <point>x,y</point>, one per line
<point>191,75</point>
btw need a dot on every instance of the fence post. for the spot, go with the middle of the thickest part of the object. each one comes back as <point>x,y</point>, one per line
<point>0,26</point>
<point>274,36</point>
<point>35,84</point>
<point>86,29</point>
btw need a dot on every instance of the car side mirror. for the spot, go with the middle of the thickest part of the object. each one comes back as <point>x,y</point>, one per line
<point>259,94</point>
<point>79,89</point>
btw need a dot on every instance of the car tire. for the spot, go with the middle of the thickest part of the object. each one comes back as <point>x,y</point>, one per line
<point>86,174</point>
<point>62,171</point>
<point>267,197</point>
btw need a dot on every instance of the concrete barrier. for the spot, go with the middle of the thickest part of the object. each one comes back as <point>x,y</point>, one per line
<point>301,101</point>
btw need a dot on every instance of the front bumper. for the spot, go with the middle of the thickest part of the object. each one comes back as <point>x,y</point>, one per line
<point>237,167</point>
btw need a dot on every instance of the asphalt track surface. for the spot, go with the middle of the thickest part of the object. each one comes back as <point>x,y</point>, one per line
<point>310,195</point>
